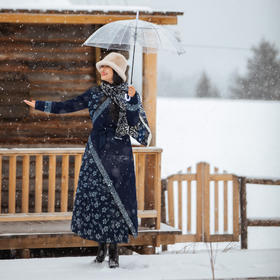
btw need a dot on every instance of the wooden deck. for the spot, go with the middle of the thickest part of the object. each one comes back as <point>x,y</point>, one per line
<point>57,234</point>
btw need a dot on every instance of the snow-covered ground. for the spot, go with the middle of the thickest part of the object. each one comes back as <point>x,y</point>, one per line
<point>241,264</point>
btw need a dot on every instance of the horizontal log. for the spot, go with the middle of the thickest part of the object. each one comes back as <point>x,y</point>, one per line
<point>264,181</point>
<point>46,57</point>
<point>80,18</point>
<point>54,48</point>
<point>267,222</point>
<point>26,69</point>
<point>63,151</point>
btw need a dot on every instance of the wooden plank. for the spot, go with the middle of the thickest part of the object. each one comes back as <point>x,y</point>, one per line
<point>141,181</point>
<point>158,189</point>
<point>183,177</point>
<point>38,183</point>
<point>222,238</point>
<point>25,184</point>
<point>56,18</point>
<point>235,196</point>
<point>70,151</point>
<point>64,183</point>
<point>135,158</point>
<point>12,184</point>
<point>149,91</point>
<point>170,195</point>
<point>266,181</point>
<point>51,187</point>
<point>185,238</point>
<point>78,161</point>
<point>216,203</point>
<point>189,205</point>
<point>199,198</point>
<point>97,58</point>
<point>180,208</point>
<point>243,214</point>
<point>206,201</point>
<point>267,222</point>
<point>221,177</point>
<point>225,206</point>
<point>0,183</point>
<point>71,240</point>
<point>59,216</point>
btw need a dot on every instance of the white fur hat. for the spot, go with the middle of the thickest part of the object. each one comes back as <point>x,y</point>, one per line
<point>116,61</point>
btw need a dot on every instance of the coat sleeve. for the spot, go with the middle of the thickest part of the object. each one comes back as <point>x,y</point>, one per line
<point>72,105</point>
<point>132,109</point>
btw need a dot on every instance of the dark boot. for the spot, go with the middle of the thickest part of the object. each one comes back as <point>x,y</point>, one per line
<point>113,255</point>
<point>101,253</point>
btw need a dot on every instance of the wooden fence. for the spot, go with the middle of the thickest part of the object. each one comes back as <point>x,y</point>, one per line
<point>245,222</point>
<point>195,193</point>
<point>40,184</point>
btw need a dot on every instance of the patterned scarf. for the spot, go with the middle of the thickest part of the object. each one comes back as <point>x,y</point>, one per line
<point>141,131</point>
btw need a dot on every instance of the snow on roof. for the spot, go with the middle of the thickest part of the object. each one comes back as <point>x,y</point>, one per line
<point>63,5</point>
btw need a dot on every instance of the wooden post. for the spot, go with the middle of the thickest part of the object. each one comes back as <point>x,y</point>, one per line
<point>243,211</point>
<point>216,202</point>
<point>64,183</point>
<point>25,184</point>
<point>38,183</point>
<point>149,91</point>
<point>51,191</point>
<point>12,184</point>
<point>0,184</point>
<point>189,182</point>
<point>235,195</point>
<point>78,161</point>
<point>199,206</point>
<point>141,180</point>
<point>206,202</point>
<point>157,187</point>
<point>170,192</point>
<point>180,204</point>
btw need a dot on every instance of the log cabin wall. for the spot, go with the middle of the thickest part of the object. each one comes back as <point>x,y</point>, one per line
<point>44,62</point>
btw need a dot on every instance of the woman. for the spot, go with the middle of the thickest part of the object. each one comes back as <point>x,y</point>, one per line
<point>105,207</point>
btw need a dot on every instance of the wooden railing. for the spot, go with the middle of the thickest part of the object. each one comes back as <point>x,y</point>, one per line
<point>40,184</point>
<point>194,190</point>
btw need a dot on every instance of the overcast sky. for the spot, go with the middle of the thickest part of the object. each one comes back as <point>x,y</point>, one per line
<point>218,34</point>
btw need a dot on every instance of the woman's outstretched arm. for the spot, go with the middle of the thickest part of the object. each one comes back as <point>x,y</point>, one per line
<point>72,105</point>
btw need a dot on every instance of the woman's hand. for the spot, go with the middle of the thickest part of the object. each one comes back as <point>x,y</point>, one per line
<point>30,103</point>
<point>131,91</point>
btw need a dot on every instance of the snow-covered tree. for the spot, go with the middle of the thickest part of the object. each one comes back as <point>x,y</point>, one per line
<point>205,89</point>
<point>262,80</point>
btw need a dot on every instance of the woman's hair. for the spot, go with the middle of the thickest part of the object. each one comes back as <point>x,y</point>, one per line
<point>117,80</point>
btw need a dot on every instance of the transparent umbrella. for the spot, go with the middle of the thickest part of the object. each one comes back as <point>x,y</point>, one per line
<point>126,34</point>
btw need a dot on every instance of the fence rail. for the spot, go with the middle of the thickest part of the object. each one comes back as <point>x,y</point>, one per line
<point>40,184</point>
<point>245,222</point>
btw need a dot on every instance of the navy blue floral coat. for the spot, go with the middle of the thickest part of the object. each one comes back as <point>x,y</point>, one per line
<point>105,207</point>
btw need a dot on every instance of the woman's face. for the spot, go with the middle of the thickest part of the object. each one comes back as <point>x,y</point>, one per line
<point>106,73</point>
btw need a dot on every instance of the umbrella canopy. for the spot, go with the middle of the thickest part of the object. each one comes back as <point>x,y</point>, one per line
<point>125,34</point>
<point>120,35</point>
